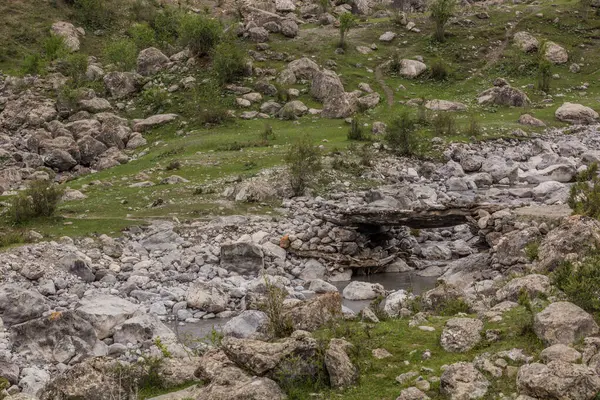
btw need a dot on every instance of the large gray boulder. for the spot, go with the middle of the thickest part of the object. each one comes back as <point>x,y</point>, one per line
<point>555,54</point>
<point>303,68</point>
<point>153,121</point>
<point>151,60</point>
<point>90,149</point>
<point>526,41</point>
<point>576,114</point>
<point>511,247</point>
<point>503,96</point>
<point>105,312</point>
<point>342,372</point>
<point>558,380</point>
<point>564,322</point>
<point>68,33</point>
<point>142,328</point>
<point>462,381</point>
<point>461,334</point>
<point>357,290</point>
<point>325,85</point>
<point>250,324</point>
<point>289,28</point>
<point>18,305</point>
<point>207,296</point>
<point>411,68</point>
<point>534,285</point>
<point>292,110</point>
<point>59,159</point>
<point>242,257</point>
<point>121,84</point>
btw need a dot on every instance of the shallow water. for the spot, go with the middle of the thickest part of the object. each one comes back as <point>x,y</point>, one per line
<point>201,331</point>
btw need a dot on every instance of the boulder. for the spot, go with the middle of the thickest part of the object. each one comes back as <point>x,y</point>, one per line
<point>526,42</point>
<point>461,334</point>
<point>357,290</point>
<point>90,380</point>
<point>576,114</point>
<point>289,28</point>
<point>547,189</point>
<point>560,352</point>
<point>369,101</point>
<point>207,296</point>
<point>503,96</point>
<point>59,160</point>
<point>529,120</point>
<point>121,84</point>
<point>154,121</point>
<point>511,248</point>
<point>242,258</point>
<point>285,6</point>
<point>565,323</point>
<point>94,105</point>
<point>557,381</point>
<point>105,312</point>
<point>319,286</point>
<point>292,110</point>
<point>33,380</point>
<point>412,393</point>
<point>555,54</point>
<point>325,85</point>
<point>90,149</point>
<point>143,328</point>
<point>258,34</point>
<point>311,314</point>
<point>387,37</point>
<point>342,373</point>
<point>340,107</point>
<point>69,33</point>
<point>150,61</point>
<point>462,381</point>
<point>303,68</point>
<point>534,285</point>
<point>444,105</point>
<point>313,269</point>
<point>250,324</point>
<point>411,68</point>
<point>395,301</point>
<point>18,305</point>
<point>60,337</point>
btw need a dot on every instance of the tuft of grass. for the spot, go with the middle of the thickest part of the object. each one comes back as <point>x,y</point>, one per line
<point>40,199</point>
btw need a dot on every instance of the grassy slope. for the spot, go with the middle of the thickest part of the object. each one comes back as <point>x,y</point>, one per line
<point>205,161</point>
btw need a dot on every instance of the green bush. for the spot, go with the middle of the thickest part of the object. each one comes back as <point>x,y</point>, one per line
<point>55,47</point>
<point>544,75</point>
<point>40,199</point>
<point>441,12</point>
<point>581,283</point>
<point>532,250</point>
<point>347,22</point>
<point>303,161</point>
<point>74,66</point>
<point>166,25</point>
<point>206,104</point>
<point>473,127</point>
<point>143,10</point>
<point>356,131</point>
<point>96,14</point>
<point>444,124</point>
<point>199,33</point>
<point>122,53</point>
<point>229,61</point>
<point>279,325</point>
<point>156,99</point>
<point>439,71</point>
<point>400,135</point>
<point>33,64</point>
<point>453,307</point>
<point>584,195</point>
<point>142,35</point>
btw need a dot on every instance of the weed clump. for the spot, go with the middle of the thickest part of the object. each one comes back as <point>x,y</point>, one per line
<point>581,282</point>
<point>229,62</point>
<point>40,199</point>
<point>441,12</point>
<point>199,33</point>
<point>439,71</point>
<point>356,131</point>
<point>400,135</point>
<point>303,162</point>
<point>96,14</point>
<point>279,325</point>
<point>444,124</point>
<point>584,195</point>
<point>122,53</point>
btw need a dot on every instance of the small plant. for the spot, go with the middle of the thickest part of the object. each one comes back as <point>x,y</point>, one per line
<point>122,53</point>
<point>11,237</point>
<point>143,11</point>
<point>453,306</point>
<point>400,135</point>
<point>444,124</point>
<point>303,162</point>
<point>366,155</point>
<point>584,195</point>
<point>74,66</point>
<point>347,22</point>
<point>155,99</point>
<point>40,199</point>
<point>395,64</point>
<point>173,165</point>
<point>356,131</point>
<point>267,133</point>
<point>55,48</point>
<point>199,33</point>
<point>441,12</point>
<point>532,250</point>
<point>162,347</point>
<point>544,75</point>
<point>279,325</point>
<point>96,14</point>
<point>473,127</point>
<point>229,61</point>
<point>33,64</point>
<point>166,25</point>
<point>438,71</point>
<point>142,35</point>
<point>324,5</point>
<point>580,283</point>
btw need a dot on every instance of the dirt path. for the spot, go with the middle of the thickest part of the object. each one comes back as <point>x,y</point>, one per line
<point>389,93</point>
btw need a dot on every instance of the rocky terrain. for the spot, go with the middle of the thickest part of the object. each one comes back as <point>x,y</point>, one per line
<point>181,264</point>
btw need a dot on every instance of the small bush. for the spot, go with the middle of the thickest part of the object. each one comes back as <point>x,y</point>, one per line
<point>303,162</point>
<point>473,127</point>
<point>11,238</point>
<point>156,99</point>
<point>444,124</point>
<point>584,195</point>
<point>400,135</point>
<point>74,66</point>
<point>173,165</point>
<point>199,33</point>
<point>441,12</point>
<point>267,133</point>
<point>356,131</point>
<point>279,325</point>
<point>395,63</point>
<point>229,62</point>
<point>206,104</point>
<point>143,10</point>
<point>347,22</point>
<point>40,199</point>
<point>122,53</point>
<point>532,250</point>
<point>439,71</point>
<point>366,155</point>
<point>96,14</point>
<point>55,48</point>
<point>453,307</point>
<point>142,35</point>
<point>580,283</point>
<point>33,64</point>
<point>544,75</point>
<point>166,25</point>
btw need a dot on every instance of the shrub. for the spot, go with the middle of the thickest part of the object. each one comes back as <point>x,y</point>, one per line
<point>267,133</point>
<point>444,124</point>
<point>347,22</point>
<point>473,127</point>
<point>366,155</point>
<point>303,162</point>
<point>143,11</point>
<point>356,131</point>
<point>400,135</point>
<point>439,71</point>
<point>395,63</point>
<point>441,12</point>
<point>199,33</point>
<point>279,325</point>
<point>453,307</point>
<point>33,65</point>
<point>544,75</point>
<point>55,47</point>
<point>122,53</point>
<point>96,14</point>
<point>40,199</point>
<point>206,104</point>
<point>173,165</point>
<point>229,62</point>
<point>584,195</point>
<point>581,283</point>
<point>166,25</point>
<point>325,5</point>
<point>74,66</point>
<point>10,238</point>
<point>155,99</point>
<point>142,35</point>
<point>532,250</point>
